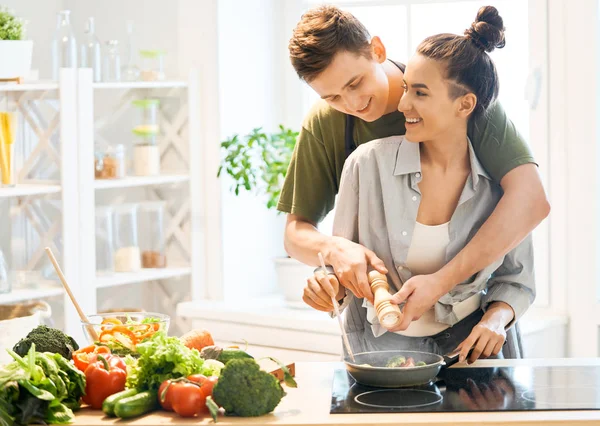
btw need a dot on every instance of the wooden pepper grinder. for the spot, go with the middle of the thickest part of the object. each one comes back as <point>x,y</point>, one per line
<point>389,314</point>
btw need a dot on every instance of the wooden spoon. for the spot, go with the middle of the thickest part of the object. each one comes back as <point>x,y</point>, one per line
<point>63,280</point>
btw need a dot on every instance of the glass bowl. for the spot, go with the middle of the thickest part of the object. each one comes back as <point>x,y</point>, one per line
<point>122,331</point>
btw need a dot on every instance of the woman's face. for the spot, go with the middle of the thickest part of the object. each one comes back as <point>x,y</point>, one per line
<point>426,103</point>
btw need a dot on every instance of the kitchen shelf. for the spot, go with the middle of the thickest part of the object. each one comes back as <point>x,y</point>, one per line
<point>123,278</point>
<point>29,86</point>
<point>22,190</point>
<point>124,85</point>
<point>30,294</point>
<point>133,181</point>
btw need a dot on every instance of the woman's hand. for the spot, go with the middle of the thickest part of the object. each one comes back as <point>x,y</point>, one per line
<point>319,290</point>
<point>487,337</point>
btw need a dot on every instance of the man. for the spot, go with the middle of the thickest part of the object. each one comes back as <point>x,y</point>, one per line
<point>360,90</point>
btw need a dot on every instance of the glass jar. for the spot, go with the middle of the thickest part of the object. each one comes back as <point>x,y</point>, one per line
<point>105,248</point>
<point>109,162</point>
<point>112,62</point>
<point>5,286</point>
<point>127,249</point>
<point>152,237</point>
<point>146,153</point>
<point>64,44</point>
<point>147,114</point>
<point>152,65</point>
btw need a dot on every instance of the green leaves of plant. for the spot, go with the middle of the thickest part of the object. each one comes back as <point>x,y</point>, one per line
<point>258,161</point>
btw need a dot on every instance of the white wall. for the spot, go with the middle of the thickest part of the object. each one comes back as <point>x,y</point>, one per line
<point>247,96</point>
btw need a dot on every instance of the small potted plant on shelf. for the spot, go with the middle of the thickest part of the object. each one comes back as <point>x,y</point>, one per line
<point>15,52</point>
<point>257,163</point>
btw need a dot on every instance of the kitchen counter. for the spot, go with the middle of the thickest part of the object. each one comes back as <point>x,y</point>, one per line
<point>309,405</point>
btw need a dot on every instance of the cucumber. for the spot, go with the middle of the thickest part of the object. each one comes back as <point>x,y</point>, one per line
<point>229,354</point>
<point>136,405</point>
<point>108,406</point>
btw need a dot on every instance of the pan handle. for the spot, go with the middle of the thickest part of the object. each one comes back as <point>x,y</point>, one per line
<point>452,358</point>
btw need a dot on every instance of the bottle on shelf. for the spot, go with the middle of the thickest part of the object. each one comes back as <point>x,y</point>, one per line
<point>112,62</point>
<point>152,237</point>
<point>127,249</point>
<point>64,44</point>
<point>91,51</point>
<point>130,71</point>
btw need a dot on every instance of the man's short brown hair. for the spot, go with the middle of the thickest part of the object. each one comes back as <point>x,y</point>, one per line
<point>321,33</point>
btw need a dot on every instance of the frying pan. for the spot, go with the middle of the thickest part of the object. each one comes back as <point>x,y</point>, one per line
<point>378,375</point>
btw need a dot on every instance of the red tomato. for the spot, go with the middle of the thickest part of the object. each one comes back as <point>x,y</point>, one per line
<point>164,397</point>
<point>187,399</point>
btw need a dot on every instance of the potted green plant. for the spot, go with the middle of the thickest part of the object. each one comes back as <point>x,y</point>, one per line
<point>15,52</point>
<point>257,163</point>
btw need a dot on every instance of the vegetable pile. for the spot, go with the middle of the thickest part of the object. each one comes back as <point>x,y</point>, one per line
<point>39,388</point>
<point>51,379</point>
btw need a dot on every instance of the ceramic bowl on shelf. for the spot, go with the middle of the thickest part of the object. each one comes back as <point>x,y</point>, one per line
<point>122,331</point>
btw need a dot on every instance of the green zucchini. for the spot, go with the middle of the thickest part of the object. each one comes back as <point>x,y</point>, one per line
<point>136,405</point>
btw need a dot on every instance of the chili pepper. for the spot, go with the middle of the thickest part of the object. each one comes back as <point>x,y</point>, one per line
<point>102,381</point>
<point>85,356</point>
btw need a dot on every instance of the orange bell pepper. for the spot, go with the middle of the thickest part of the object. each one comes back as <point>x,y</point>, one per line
<point>85,356</point>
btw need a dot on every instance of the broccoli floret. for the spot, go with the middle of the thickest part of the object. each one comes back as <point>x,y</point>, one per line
<point>47,339</point>
<point>245,390</point>
<point>396,361</point>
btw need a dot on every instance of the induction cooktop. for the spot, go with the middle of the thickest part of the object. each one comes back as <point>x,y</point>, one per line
<point>476,389</point>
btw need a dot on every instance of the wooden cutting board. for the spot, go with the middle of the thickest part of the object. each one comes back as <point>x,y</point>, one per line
<point>279,372</point>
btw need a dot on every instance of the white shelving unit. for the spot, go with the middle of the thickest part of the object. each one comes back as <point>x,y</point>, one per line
<point>136,181</point>
<point>23,295</point>
<point>179,185</point>
<point>27,189</point>
<point>46,142</point>
<point>78,124</point>
<point>123,278</point>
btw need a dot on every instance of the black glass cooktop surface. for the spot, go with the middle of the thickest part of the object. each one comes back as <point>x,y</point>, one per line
<point>476,389</point>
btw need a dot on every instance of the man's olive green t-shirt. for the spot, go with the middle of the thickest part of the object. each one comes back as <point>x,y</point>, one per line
<point>313,177</point>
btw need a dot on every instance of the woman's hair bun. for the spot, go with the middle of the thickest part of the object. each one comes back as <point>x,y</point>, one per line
<point>487,32</point>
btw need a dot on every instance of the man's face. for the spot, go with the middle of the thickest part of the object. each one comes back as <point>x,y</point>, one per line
<point>355,85</point>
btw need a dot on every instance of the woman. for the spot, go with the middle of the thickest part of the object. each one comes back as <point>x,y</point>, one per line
<point>417,200</point>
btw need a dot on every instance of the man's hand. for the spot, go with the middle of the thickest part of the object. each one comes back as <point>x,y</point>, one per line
<point>487,337</point>
<point>420,292</point>
<point>350,263</point>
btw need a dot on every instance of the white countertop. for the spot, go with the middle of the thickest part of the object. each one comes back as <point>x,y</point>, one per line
<point>309,404</point>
